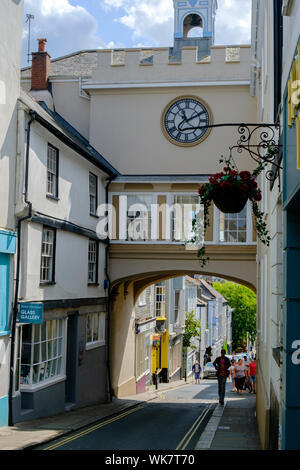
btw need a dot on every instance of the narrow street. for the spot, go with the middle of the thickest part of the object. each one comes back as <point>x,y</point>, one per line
<point>173,421</point>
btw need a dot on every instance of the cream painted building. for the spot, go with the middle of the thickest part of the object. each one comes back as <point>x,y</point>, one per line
<point>144,111</point>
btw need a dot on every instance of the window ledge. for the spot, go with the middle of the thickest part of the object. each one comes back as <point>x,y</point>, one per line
<point>93,284</point>
<point>40,386</point>
<point>47,283</point>
<point>54,198</point>
<point>95,345</point>
<point>95,216</point>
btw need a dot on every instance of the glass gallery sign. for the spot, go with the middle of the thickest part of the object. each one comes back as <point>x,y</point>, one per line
<point>31,313</point>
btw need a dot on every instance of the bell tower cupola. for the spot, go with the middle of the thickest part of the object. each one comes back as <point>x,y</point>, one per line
<point>194,25</point>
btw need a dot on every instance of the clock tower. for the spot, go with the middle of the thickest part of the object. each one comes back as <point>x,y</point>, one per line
<point>192,17</point>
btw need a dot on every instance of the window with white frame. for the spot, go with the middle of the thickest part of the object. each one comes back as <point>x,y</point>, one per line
<point>185,209</point>
<point>233,227</point>
<point>95,329</point>
<point>48,255</point>
<point>41,355</point>
<point>142,300</point>
<point>139,217</point>
<point>143,350</point>
<point>93,262</point>
<point>160,300</point>
<point>176,306</point>
<point>52,171</point>
<point>93,193</point>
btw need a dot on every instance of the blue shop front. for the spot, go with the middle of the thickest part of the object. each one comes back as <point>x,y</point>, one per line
<point>7,250</point>
<point>290,439</point>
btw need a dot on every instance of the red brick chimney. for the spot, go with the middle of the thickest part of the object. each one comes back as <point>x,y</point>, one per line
<point>40,69</point>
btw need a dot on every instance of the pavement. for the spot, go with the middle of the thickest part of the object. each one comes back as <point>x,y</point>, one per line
<point>231,427</point>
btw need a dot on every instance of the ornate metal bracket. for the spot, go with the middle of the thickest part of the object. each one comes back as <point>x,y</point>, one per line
<point>261,141</point>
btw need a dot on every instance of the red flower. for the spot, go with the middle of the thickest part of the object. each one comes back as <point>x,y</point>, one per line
<point>201,190</point>
<point>244,187</point>
<point>245,175</point>
<point>258,196</point>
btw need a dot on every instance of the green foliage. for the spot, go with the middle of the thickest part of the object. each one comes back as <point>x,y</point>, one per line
<point>192,329</point>
<point>243,302</point>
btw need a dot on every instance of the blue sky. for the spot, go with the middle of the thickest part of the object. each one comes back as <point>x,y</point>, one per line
<point>73,25</point>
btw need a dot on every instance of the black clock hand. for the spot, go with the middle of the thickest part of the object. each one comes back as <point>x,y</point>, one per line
<point>190,119</point>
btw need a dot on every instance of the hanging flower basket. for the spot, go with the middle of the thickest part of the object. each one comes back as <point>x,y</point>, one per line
<point>229,191</point>
<point>230,201</point>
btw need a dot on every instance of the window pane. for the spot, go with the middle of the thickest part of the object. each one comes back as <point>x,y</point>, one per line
<point>36,372</point>
<point>47,258</point>
<point>26,333</point>
<point>54,348</point>
<point>42,372</point>
<point>26,353</point>
<point>54,367</point>
<point>59,364</point>
<point>59,347</point>
<point>49,349</point>
<point>52,171</point>
<point>54,331</point>
<point>139,217</point>
<point>233,227</point>
<point>25,375</point>
<point>43,328</point>
<point>37,329</point>
<point>96,328</point>
<point>92,262</point>
<point>44,357</point>
<point>93,193</point>
<point>36,354</point>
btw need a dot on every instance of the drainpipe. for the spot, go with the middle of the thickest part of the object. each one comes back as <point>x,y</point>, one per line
<point>17,282</point>
<point>108,181</point>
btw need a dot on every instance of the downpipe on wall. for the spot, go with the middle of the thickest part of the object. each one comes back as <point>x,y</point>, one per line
<point>17,281</point>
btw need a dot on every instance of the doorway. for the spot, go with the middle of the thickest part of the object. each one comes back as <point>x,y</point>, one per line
<point>71,365</point>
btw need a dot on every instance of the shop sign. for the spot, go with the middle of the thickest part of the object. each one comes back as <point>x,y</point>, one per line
<point>31,313</point>
<point>156,341</point>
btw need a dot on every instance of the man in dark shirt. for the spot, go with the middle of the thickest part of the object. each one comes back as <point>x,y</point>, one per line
<point>222,364</point>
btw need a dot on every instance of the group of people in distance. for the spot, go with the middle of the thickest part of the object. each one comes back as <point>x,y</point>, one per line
<point>240,372</point>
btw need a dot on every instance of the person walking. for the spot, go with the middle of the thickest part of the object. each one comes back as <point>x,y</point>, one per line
<point>231,374</point>
<point>252,372</point>
<point>240,372</point>
<point>247,383</point>
<point>197,369</point>
<point>222,365</point>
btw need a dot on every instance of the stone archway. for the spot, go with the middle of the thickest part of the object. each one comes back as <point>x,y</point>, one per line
<point>133,268</point>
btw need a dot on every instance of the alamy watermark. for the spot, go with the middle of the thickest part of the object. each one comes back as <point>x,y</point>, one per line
<point>151,222</point>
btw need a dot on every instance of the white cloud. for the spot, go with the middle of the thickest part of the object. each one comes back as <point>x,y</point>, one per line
<point>67,28</point>
<point>152,20</point>
<point>233,22</point>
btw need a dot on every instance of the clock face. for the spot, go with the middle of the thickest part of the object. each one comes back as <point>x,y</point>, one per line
<point>185,121</point>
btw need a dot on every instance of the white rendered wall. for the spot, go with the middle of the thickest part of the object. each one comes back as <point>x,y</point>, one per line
<point>11,18</point>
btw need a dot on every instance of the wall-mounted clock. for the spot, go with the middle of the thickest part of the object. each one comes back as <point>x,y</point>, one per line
<point>185,120</point>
